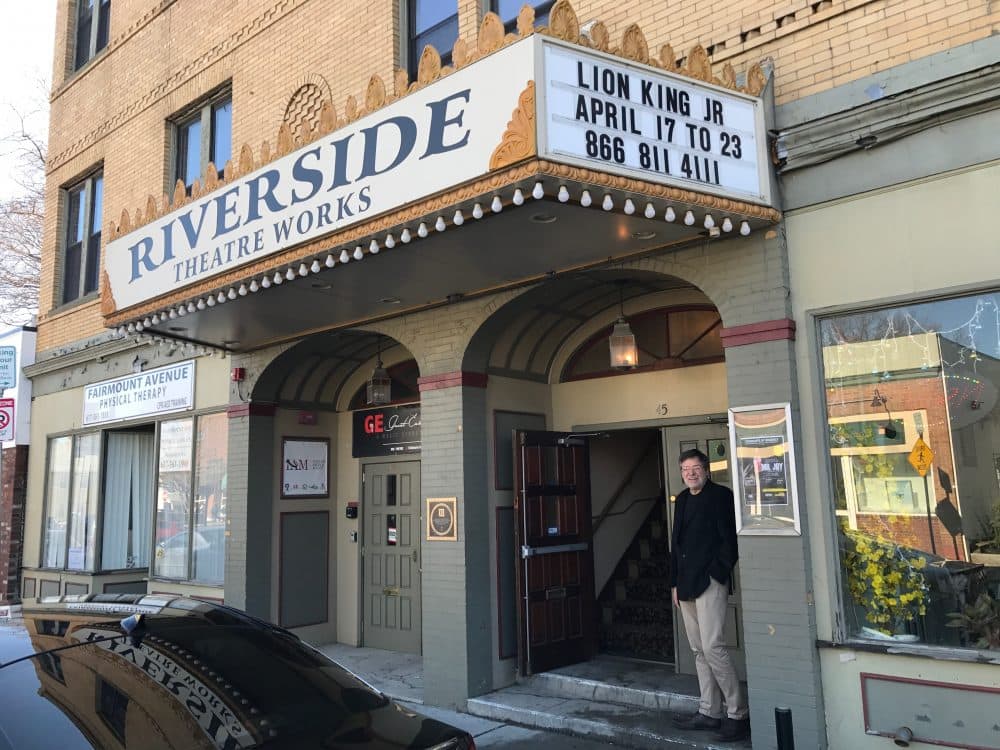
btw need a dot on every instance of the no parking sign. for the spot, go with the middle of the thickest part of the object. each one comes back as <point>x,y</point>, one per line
<point>6,419</point>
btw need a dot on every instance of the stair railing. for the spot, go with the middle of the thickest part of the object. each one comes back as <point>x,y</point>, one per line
<point>616,496</point>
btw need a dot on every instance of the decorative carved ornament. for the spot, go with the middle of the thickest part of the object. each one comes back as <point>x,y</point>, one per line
<point>563,24</point>
<point>441,204</point>
<point>518,141</point>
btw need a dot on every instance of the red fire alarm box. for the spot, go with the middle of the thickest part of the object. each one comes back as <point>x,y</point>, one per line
<point>238,374</point>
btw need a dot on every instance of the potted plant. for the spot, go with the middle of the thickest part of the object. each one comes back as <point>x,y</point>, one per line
<point>886,581</point>
<point>986,550</point>
<point>981,620</point>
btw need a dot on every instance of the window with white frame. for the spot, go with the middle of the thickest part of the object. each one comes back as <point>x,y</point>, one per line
<point>434,23</point>
<point>203,135</point>
<point>913,430</point>
<point>92,19</point>
<point>70,520</point>
<point>191,499</point>
<point>82,243</point>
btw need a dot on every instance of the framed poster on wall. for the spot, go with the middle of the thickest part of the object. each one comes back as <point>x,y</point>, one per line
<point>305,467</point>
<point>763,466</point>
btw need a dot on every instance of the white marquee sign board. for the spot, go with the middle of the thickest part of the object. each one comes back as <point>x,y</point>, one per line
<point>604,113</point>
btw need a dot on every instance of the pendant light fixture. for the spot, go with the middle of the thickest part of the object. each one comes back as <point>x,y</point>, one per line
<point>379,384</point>
<point>624,354</point>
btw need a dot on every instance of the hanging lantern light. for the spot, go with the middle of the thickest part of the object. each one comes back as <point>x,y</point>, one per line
<point>621,343</point>
<point>379,384</point>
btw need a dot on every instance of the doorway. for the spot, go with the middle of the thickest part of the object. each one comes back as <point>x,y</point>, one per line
<point>391,616</point>
<point>712,438</point>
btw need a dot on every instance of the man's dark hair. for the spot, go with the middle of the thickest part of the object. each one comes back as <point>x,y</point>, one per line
<point>694,453</point>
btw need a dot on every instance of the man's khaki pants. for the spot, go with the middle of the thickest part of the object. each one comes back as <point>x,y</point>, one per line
<point>705,620</point>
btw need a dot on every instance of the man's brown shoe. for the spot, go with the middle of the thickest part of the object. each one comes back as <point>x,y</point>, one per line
<point>733,730</point>
<point>696,720</point>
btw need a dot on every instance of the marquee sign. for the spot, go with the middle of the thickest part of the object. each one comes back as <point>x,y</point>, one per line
<point>440,136</point>
<point>602,112</point>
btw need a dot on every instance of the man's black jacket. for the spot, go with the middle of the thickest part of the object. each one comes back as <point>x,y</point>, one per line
<point>703,541</point>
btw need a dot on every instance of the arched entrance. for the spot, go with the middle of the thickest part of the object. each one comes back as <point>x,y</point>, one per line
<point>345,517</point>
<point>584,459</point>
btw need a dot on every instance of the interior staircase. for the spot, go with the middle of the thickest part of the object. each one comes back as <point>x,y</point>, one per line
<point>636,614</point>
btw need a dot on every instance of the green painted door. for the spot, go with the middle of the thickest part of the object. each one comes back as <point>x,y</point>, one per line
<point>391,556</point>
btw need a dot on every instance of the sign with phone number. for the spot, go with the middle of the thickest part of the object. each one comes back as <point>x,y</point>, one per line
<point>659,127</point>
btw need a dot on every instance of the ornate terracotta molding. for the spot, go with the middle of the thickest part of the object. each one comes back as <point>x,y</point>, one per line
<point>756,333</point>
<point>518,140</point>
<point>563,24</point>
<point>457,379</point>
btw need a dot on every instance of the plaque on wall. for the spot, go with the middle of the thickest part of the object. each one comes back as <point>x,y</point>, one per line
<point>441,519</point>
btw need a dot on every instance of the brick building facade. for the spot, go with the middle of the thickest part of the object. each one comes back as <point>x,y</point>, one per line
<point>471,250</point>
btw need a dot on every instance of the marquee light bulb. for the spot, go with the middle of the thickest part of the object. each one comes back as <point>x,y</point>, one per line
<point>585,199</point>
<point>629,206</point>
<point>744,229</point>
<point>182,310</point>
<point>242,290</point>
<point>210,302</point>
<point>201,304</point>
<point>344,256</point>
<point>277,278</point>
<point>649,211</point>
<point>390,241</point>
<point>727,225</point>
<point>303,269</point>
<point>254,286</point>
<point>405,236</point>
<point>477,211</point>
<point>538,192</point>
<point>563,194</point>
<point>155,319</point>
<point>422,230</point>
<point>358,253</point>
<point>669,214</point>
<point>373,247</point>
<point>315,267</point>
<point>172,313</point>
<point>190,307</point>
<point>607,204</point>
<point>518,198</point>
<point>330,261</point>
<point>439,225</point>
<point>266,282</point>
<point>458,220</point>
<point>689,218</point>
<point>709,221</point>
<point>496,205</point>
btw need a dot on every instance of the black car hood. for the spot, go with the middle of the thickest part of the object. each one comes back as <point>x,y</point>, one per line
<point>196,676</point>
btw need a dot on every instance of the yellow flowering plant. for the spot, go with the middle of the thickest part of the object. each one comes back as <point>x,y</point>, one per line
<point>885,579</point>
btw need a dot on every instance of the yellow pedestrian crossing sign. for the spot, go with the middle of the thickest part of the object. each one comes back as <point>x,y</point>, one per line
<point>921,456</point>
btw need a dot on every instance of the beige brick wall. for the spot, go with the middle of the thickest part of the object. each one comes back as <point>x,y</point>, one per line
<point>165,54</point>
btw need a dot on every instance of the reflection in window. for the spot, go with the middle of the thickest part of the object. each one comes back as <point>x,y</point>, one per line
<point>914,445</point>
<point>112,707</point>
<point>191,499</point>
<point>203,135</point>
<point>434,23</point>
<point>508,10</point>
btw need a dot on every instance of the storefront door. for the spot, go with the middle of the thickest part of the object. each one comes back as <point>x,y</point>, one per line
<point>555,563</point>
<point>391,556</point>
<point>713,440</point>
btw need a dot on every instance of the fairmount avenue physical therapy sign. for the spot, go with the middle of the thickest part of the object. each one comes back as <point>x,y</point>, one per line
<point>159,391</point>
<point>592,110</point>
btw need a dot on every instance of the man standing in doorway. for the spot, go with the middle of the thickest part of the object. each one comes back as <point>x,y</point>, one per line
<point>703,553</point>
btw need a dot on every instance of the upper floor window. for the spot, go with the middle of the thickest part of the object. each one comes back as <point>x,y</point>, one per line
<point>433,22</point>
<point>82,256</point>
<point>92,17</point>
<point>203,135</point>
<point>508,10</point>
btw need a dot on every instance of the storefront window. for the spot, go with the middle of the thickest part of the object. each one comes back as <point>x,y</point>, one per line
<point>914,444</point>
<point>71,507</point>
<point>191,500</point>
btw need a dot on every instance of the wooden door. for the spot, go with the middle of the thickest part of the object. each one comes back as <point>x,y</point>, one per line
<point>555,563</point>
<point>391,556</point>
<point>713,440</point>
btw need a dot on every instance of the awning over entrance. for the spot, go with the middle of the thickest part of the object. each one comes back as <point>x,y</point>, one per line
<point>537,155</point>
